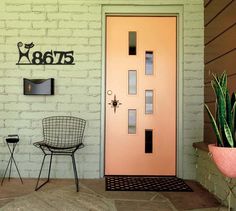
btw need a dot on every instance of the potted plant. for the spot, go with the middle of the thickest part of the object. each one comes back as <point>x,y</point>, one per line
<point>224,126</point>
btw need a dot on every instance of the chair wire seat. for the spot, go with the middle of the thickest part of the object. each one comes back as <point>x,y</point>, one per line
<point>63,135</point>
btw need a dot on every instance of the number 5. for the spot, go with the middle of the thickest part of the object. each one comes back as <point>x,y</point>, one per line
<point>70,57</point>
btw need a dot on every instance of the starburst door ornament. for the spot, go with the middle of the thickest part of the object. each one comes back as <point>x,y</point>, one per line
<point>115,103</point>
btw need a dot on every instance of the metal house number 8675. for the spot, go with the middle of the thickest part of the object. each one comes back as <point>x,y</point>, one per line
<point>43,58</point>
<point>64,57</point>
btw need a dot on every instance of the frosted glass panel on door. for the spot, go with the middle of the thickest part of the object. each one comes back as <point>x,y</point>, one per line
<point>148,63</point>
<point>132,121</point>
<point>148,101</point>
<point>132,82</point>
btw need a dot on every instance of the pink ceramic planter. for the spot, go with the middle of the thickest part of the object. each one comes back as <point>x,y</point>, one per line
<point>225,159</point>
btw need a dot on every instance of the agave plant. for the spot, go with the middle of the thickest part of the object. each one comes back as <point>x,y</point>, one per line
<point>224,123</point>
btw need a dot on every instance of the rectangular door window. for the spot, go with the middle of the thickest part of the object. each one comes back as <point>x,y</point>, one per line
<point>148,101</point>
<point>149,63</point>
<point>132,43</point>
<point>148,141</point>
<point>132,121</point>
<point>132,82</point>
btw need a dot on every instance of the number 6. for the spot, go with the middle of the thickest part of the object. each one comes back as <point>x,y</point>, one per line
<point>48,56</point>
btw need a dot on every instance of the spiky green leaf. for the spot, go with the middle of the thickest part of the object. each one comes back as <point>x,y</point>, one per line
<point>234,122</point>
<point>223,82</point>
<point>215,128</point>
<point>221,104</point>
<point>233,99</point>
<point>228,134</point>
<point>228,111</point>
<point>217,115</point>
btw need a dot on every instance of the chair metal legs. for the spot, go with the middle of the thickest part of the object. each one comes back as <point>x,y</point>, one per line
<point>75,172</point>
<point>49,170</point>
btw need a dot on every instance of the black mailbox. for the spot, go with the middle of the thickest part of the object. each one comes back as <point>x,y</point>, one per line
<point>39,86</point>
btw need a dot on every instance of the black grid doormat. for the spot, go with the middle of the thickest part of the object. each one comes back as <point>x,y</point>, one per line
<point>140,183</point>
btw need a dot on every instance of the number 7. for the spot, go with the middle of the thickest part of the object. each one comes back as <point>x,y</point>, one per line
<point>61,54</point>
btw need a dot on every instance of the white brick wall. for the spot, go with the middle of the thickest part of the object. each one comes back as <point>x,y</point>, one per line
<point>211,178</point>
<point>76,25</point>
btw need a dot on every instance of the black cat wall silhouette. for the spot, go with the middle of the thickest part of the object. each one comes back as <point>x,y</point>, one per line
<point>26,51</point>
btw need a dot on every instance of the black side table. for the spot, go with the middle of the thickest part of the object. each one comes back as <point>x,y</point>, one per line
<point>11,139</point>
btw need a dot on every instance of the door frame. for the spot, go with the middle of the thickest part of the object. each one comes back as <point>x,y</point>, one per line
<point>150,10</point>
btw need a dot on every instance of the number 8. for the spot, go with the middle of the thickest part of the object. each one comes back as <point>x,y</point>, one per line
<point>37,56</point>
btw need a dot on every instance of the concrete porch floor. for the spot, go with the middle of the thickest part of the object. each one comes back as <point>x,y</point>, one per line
<point>200,199</point>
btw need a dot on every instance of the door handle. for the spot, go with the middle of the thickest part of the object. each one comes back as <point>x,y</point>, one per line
<point>109,92</point>
<point>115,103</point>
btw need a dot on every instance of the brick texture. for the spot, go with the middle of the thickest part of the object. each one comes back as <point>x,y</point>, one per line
<point>209,176</point>
<point>76,25</point>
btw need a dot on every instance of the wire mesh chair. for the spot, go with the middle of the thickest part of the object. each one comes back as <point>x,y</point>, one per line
<point>63,135</point>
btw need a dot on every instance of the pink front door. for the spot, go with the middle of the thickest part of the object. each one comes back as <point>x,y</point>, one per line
<point>140,96</point>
